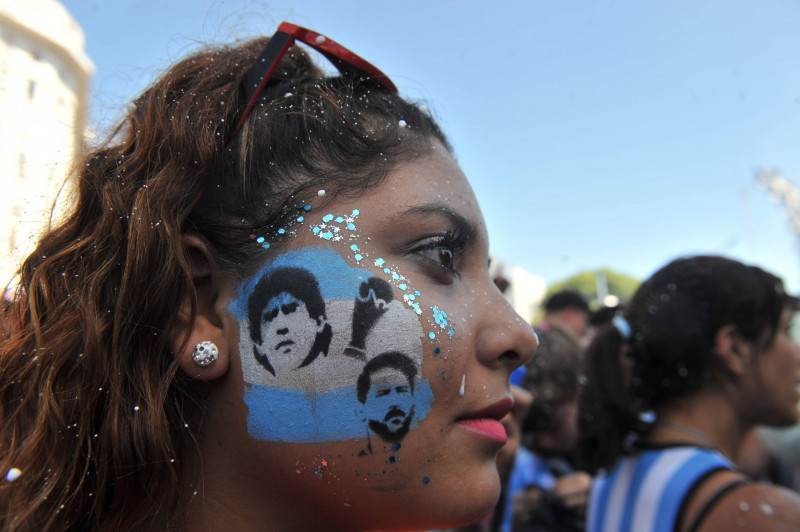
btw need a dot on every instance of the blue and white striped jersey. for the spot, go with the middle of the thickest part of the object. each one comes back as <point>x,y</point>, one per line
<point>645,491</point>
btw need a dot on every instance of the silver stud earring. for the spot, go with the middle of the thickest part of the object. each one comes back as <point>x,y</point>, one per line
<point>205,353</point>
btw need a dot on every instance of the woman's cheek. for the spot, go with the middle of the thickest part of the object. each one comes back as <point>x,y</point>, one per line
<point>334,352</point>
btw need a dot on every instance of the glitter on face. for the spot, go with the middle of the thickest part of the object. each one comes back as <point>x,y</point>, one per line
<point>333,228</point>
<point>13,474</point>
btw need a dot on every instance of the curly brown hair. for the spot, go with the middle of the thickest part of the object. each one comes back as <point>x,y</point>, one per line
<point>94,409</point>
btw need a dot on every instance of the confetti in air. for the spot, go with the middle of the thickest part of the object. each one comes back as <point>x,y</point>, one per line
<point>13,474</point>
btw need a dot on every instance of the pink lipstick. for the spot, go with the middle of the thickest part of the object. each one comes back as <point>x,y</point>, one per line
<point>486,422</point>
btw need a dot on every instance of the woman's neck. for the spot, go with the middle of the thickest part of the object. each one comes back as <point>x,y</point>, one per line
<point>706,420</point>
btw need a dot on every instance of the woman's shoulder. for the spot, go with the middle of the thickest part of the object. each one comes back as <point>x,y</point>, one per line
<point>731,501</point>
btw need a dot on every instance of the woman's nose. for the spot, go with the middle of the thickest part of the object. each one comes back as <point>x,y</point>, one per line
<point>504,338</point>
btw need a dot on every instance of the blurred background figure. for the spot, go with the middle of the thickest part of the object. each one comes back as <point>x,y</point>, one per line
<point>553,496</point>
<point>561,332</point>
<point>566,313</point>
<point>702,355</point>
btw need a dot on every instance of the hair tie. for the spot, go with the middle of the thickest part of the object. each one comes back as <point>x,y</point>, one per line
<point>622,326</point>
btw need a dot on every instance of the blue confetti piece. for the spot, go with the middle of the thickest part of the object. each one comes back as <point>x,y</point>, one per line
<point>351,226</point>
<point>300,219</point>
<point>316,230</point>
<point>431,335</point>
<point>281,231</point>
<point>436,350</point>
<point>416,292</point>
<point>358,256</point>
<point>387,270</point>
<point>426,480</point>
<point>379,262</point>
<point>395,276</point>
<point>339,219</point>
<point>265,245</point>
<point>356,212</point>
<point>260,240</point>
<point>451,332</point>
<point>354,247</point>
<point>327,236</point>
<point>396,446</point>
<point>327,218</point>
<point>401,286</point>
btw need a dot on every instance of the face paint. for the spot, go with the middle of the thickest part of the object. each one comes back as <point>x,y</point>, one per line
<point>327,352</point>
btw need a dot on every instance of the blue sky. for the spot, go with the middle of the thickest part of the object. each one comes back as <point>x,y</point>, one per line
<point>595,133</point>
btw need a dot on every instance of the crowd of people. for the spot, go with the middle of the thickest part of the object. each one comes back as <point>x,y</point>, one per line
<point>270,308</point>
<point>654,424</point>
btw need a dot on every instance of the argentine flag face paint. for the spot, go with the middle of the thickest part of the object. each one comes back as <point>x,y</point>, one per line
<point>328,353</point>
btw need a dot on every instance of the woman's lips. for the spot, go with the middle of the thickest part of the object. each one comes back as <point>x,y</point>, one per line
<point>486,422</point>
<point>486,427</point>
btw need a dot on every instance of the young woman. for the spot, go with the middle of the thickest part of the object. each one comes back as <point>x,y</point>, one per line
<point>146,383</point>
<point>703,354</point>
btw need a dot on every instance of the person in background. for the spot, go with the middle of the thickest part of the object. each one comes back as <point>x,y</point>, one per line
<point>567,312</point>
<point>553,496</point>
<point>701,356</point>
<point>561,331</point>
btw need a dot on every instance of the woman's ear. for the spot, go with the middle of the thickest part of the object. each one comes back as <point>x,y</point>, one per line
<point>733,350</point>
<point>208,325</point>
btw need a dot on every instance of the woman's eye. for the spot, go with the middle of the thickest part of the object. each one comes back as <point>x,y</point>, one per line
<point>442,255</point>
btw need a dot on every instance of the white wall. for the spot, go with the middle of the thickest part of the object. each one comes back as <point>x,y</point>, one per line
<point>44,75</point>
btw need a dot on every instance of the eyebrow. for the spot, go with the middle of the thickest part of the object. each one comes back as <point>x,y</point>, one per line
<point>460,223</point>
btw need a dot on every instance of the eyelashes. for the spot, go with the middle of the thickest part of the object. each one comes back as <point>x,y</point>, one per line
<point>443,253</point>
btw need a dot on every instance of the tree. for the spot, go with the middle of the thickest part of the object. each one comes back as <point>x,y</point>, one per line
<point>586,282</point>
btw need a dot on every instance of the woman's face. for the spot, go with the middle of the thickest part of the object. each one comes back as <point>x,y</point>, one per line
<point>778,376</point>
<point>403,271</point>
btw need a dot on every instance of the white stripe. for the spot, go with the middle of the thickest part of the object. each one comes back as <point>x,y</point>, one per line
<point>655,482</point>
<point>616,502</point>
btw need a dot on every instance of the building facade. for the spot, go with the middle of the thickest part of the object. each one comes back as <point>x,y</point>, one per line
<point>44,85</point>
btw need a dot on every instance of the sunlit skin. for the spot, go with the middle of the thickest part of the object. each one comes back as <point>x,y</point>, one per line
<point>442,474</point>
<point>778,373</point>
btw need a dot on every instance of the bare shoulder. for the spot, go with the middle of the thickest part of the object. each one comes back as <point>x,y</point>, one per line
<point>755,506</point>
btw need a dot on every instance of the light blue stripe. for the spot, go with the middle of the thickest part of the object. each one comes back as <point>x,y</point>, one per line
<point>604,494</point>
<point>289,415</point>
<point>337,280</point>
<point>678,486</point>
<point>643,464</point>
